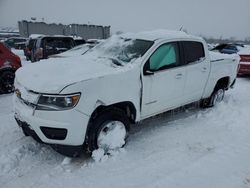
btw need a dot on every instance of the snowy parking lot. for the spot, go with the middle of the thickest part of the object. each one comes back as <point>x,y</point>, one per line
<point>189,147</point>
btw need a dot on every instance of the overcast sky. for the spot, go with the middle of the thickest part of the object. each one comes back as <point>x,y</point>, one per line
<point>217,18</point>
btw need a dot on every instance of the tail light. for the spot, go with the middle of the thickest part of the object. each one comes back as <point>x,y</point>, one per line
<point>245,58</point>
<point>18,60</point>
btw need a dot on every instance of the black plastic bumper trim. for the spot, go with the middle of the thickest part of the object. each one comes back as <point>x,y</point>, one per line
<point>28,131</point>
<point>54,133</point>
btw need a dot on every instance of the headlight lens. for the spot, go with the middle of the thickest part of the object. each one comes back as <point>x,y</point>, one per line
<point>58,102</point>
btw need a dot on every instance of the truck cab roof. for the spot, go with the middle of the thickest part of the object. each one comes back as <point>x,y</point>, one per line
<point>160,35</point>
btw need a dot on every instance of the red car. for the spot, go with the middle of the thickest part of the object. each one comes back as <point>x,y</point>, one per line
<point>244,62</point>
<point>9,63</point>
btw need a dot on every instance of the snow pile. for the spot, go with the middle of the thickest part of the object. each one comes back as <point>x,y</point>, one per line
<point>100,155</point>
<point>66,161</point>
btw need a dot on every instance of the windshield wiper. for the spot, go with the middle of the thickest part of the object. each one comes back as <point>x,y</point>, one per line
<point>114,60</point>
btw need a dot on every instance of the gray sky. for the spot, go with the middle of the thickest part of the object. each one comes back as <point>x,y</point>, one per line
<point>226,18</point>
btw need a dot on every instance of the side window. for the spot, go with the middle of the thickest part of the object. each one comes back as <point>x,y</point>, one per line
<point>49,44</point>
<point>166,56</point>
<point>194,51</point>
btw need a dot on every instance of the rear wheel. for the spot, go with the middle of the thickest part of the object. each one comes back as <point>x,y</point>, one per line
<point>216,97</point>
<point>7,81</point>
<point>108,131</point>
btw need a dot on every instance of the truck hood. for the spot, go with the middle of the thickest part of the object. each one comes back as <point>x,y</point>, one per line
<point>52,75</point>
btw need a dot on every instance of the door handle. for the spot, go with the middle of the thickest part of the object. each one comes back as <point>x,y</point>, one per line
<point>178,76</point>
<point>204,69</point>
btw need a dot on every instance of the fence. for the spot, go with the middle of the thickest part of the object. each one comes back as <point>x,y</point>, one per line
<point>27,28</point>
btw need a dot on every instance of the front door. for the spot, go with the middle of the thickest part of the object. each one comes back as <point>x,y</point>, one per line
<point>163,80</point>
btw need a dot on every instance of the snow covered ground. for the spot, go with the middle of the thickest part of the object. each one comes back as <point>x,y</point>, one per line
<point>191,147</point>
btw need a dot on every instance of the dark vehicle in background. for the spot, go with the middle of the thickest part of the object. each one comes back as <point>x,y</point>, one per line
<point>46,46</point>
<point>228,48</point>
<point>15,42</point>
<point>79,41</point>
<point>28,48</point>
<point>9,63</point>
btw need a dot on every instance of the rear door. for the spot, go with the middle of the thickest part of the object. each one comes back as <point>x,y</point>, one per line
<point>198,68</point>
<point>163,80</point>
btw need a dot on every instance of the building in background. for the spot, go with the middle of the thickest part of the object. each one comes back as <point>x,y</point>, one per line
<point>26,28</point>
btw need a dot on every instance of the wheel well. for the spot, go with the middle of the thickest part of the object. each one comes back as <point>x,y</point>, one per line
<point>127,107</point>
<point>6,69</point>
<point>223,83</point>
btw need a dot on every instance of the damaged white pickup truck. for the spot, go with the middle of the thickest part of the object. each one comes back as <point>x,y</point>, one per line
<point>89,102</point>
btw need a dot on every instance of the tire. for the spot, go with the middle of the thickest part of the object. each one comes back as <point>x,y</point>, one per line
<point>7,81</point>
<point>216,97</point>
<point>103,127</point>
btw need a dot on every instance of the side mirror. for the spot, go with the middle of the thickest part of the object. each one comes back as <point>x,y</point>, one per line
<point>148,72</point>
<point>146,69</point>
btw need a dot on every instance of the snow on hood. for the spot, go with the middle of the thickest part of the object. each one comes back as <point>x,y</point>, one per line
<point>52,75</point>
<point>76,51</point>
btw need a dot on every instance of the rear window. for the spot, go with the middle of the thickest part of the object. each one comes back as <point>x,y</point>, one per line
<point>31,43</point>
<point>61,43</point>
<point>64,43</point>
<point>194,51</point>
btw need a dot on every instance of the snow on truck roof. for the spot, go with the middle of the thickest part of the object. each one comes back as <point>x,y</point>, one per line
<point>159,34</point>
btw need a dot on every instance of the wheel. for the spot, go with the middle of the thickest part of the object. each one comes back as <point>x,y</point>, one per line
<point>108,131</point>
<point>7,81</point>
<point>216,97</point>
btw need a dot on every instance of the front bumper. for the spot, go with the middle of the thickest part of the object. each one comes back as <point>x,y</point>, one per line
<point>71,151</point>
<point>52,127</point>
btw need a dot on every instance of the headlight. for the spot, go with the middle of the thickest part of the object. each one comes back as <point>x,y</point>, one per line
<point>57,102</point>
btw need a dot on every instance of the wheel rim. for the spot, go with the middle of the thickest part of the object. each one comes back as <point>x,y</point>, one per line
<point>112,136</point>
<point>218,96</point>
<point>7,82</point>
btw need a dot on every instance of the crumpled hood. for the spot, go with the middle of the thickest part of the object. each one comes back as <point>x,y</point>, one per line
<point>52,75</point>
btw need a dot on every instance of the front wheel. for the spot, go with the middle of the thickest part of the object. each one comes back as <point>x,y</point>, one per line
<point>7,81</point>
<point>108,131</point>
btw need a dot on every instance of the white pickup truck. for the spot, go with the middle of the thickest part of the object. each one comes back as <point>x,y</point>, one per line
<point>89,102</point>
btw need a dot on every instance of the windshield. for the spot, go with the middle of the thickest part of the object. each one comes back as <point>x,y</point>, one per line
<point>120,50</point>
